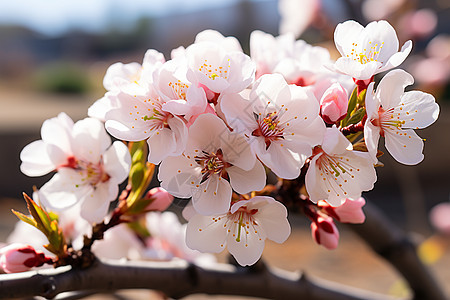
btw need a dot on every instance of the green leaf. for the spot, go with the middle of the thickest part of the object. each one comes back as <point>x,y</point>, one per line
<point>25,218</point>
<point>357,116</point>
<point>351,106</point>
<point>39,215</point>
<point>46,223</point>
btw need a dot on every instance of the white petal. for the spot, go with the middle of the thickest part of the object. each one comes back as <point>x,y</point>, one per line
<point>95,205</point>
<point>419,109</point>
<point>212,197</point>
<point>404,145</point>
<point>58,131</point>
<point>64,189</point>
<point>250,246</point>
<point>161,144</point>
<point>392,86</point>
<point>396,59</point>
<point>371,138</point>
<point>283,162</point>
<point>205,234</point>
<point>90,140</point>
<point>267,88</point>
<point>313,182</point>
<point>35,159</point>
<point>356,69</point>
<point>272,218</point>
<point>117,162</point>
<point>246,181</point>
<point>334,142</point>
<point>242,72</point>
<point>239,113</point>
<point>179,175</point>
<point>372,103</point>
<point>344,36</point>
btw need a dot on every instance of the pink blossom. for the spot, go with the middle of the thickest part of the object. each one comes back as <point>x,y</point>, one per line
<point>162,199</point>
<point>333,105</point>
<point>325,232</point>
<point>20,258</point>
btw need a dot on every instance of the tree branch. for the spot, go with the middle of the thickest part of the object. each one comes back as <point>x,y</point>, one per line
<point>391,243</point>
<point>177,279</point>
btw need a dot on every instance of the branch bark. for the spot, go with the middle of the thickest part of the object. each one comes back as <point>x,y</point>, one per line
<point>391,243</point>
<point>177,279</point>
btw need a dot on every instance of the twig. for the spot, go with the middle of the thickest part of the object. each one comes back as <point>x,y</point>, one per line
<point>177,279</point>
<point>391,243</point>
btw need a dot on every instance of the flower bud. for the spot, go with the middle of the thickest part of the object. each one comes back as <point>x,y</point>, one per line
<point>348,212</point>
<point>20,258</point>
<point>325,232</point>
<point>161,199</point>
<point>333,105</point>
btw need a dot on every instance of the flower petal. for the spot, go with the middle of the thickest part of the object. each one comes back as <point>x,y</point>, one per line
<point>206,233</point>
<point>212,197</point>
<point>246,181</point>
<point>405,146</point>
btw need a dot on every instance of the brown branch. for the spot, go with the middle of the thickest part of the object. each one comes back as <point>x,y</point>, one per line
<point>177,279</point>
<point>391,243</point>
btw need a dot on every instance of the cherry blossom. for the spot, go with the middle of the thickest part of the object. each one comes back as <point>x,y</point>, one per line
<point>243,230</point>
<point>141,117</point>
<point>217,70</point>
<point>394,114</point>
<point>281,122</point>
<point>369,50</point>
<point>267,51</point>
<point>132,78</point>
<point>180,96</point>
<point>88,167</point>
<point>168,240</point>
<point>215,162</point>
<point>336,172</point>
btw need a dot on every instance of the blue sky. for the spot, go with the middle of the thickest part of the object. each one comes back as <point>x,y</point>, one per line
<point>54,17</point>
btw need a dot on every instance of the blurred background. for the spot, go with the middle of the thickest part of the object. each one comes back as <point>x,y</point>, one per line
<point>54,54</point>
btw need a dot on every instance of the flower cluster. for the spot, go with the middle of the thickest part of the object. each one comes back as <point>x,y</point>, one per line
<point>217,120</point>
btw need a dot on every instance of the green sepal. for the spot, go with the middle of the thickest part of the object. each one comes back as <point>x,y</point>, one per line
<point>137,174</point>
<point>46,223</point>
<point>138,206</point>
<point>357,116</point>
<point>351,106</point>
<point>25,218</point>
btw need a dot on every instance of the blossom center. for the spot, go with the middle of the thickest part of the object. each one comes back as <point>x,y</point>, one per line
<point>93,173</point>
<point>269,128</point>
<point>214,72</point>
<point>365,55</point>
<point>388,119</point>
<point>158,119</point>
<point>212,163</point>
<point>179,89</point>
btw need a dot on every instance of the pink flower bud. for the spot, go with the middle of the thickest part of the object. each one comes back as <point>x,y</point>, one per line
<point>325,232</point>
<point>20,258</point>
<point>348,212</point>
<point>162,199</point>
<point>333,105</point>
